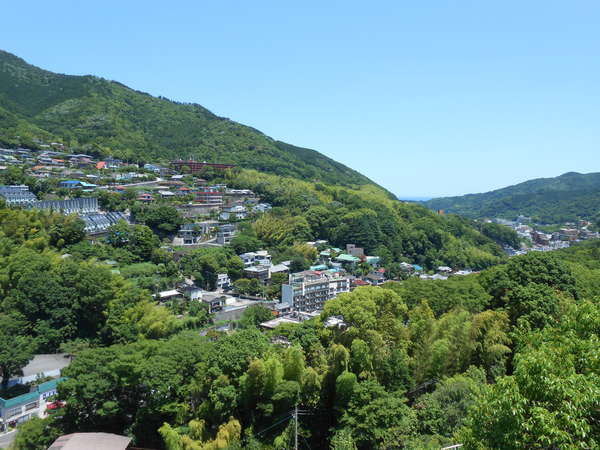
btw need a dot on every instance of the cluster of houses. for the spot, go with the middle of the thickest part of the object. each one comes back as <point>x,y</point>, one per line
<point>52,163</point>
<point>544,241</point>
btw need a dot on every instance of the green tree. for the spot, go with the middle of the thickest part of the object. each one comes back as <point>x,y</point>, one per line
<point>16,350</point>
<point>254,315</point>
<point>36,434</point>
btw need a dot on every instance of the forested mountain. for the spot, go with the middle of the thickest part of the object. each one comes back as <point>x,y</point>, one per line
<point>568,197</point>
<point>97,116</point>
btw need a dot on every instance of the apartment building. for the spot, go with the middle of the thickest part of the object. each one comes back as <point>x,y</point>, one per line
<point>309,290</point>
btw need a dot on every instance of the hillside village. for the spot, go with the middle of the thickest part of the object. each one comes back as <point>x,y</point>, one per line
<point>209,217</point>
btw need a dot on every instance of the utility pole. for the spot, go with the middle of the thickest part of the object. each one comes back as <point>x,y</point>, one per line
<point>296,427</point>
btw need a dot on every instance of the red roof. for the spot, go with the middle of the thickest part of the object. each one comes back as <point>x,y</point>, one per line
<point>100,165</point>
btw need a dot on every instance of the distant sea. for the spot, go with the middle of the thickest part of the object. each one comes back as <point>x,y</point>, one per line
<point>413,199</point>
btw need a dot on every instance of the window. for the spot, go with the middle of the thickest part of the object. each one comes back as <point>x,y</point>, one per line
<point>30,406</point>
<point>13,412</point>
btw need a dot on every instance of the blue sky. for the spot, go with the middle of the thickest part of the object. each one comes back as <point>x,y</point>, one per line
<point>427,98</point>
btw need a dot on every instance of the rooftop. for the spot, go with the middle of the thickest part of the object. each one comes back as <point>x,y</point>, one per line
<point>91,441</point>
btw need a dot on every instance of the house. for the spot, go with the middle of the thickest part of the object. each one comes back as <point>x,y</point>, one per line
<point>406,267</point>
<point>225,233</point>
<point>260,272</point>
<point>112,163</point>
<point>214,301</point>
<point>375,278</point>
<point>309,290</point>
<point>280,268</point>
<point>145,197</point>
<point>258,257</point>
<point>372,260</point>
<point>234,212</point>
<point>189,234</point>
<point>335,322</point>
<point>170,294</point>
<point>444,269</point>
<point>223,281</point>
<point>347,259</point>
<point>274,323</point>
<point>261,207</point>
<point>166,194</point>
<point>16,410</point>
<point>76,184</point>
<point>357,282</point>
<point>190,291</point>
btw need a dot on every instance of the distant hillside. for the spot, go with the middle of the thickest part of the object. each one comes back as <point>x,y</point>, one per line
<point>561,199</point>
<point>93,115</point>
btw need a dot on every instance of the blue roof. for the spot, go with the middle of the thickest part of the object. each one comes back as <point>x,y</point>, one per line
<point>417,267</point>
<point>70,182</point>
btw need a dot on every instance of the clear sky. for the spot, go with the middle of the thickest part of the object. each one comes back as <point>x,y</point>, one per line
<point>427,98</point>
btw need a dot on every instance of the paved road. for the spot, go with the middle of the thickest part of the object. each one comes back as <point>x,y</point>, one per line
<point>6,439</point>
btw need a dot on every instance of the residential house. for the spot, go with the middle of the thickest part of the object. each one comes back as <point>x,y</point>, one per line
<point>191,291</point>
<point>258,257</point>
<point>214,301</point>
<point>260,272</point>
<point>261,208</point>
<point>76,184</point>
<point>376,278</point>
<point>189,234</point>
<point>225,233</point>
<point>171,294</point>
<point>145,197</point>
<point>234,212</point>
<point>223,281</point>
<point>347,260</point>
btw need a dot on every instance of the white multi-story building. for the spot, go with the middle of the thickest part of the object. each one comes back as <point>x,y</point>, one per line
<point>309,290</point>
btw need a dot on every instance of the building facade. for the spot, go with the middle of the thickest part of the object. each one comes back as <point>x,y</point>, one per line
<point>16,410</point>
<point>309,290</point>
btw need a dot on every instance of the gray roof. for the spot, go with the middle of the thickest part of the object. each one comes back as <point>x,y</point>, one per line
<point>91,441</point>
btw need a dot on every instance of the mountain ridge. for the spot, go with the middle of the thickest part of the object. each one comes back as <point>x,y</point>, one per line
<point>92,114</point>
<point>567,197</point>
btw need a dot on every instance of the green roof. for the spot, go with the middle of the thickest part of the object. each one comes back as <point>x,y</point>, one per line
<point>30,396</point>
<point>347,258</point>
